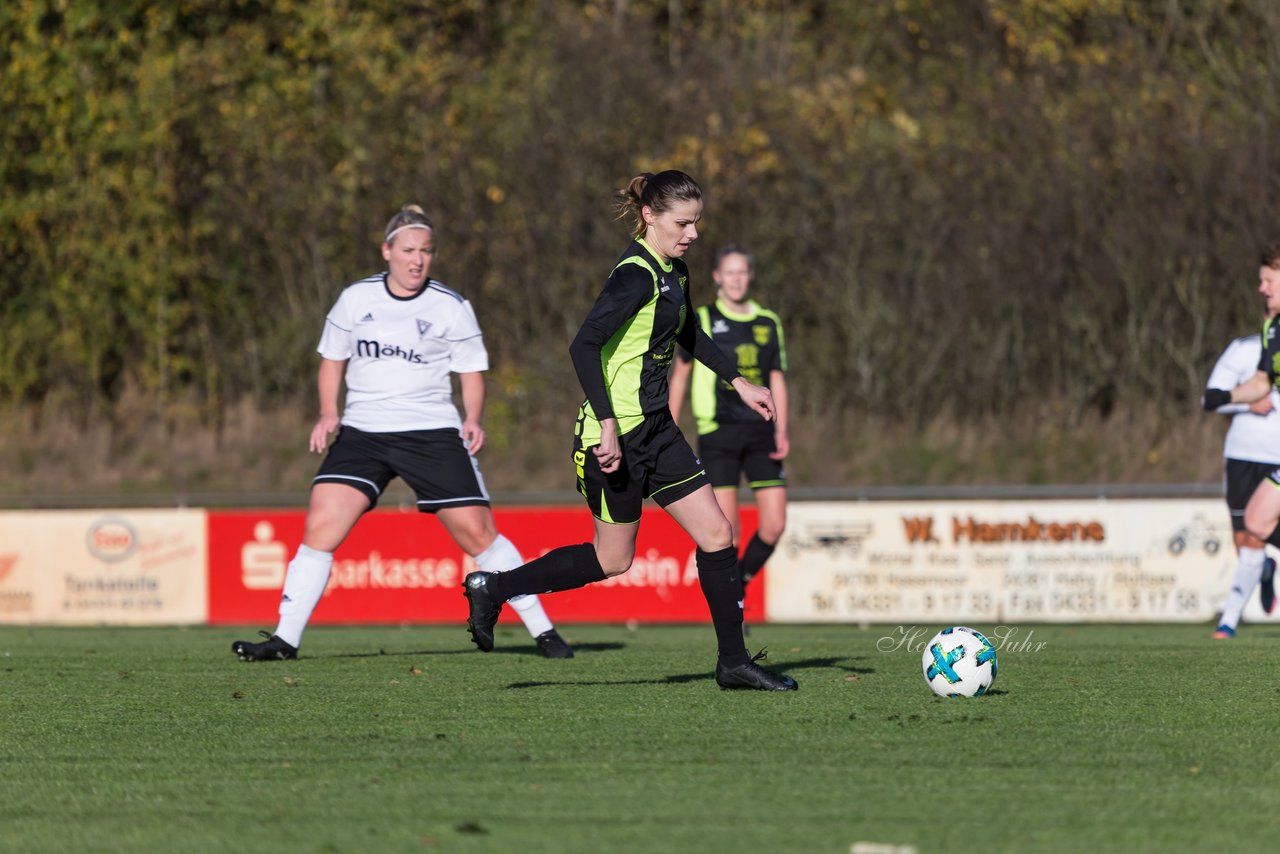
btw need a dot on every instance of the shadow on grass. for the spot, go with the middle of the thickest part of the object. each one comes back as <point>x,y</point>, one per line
<point>838,663</point>
<point>788,667</point>
<point>584,683</point>
<point>530,650</point>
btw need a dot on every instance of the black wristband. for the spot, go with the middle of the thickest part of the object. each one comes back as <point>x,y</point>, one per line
<point>1215,397</point>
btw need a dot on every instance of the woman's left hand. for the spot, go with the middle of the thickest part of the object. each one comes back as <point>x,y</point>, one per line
<point>472,436</point>
<point>755,396</point>
<point>782,443</point>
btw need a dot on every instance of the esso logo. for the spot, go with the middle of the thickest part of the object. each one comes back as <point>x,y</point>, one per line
<point>111,540</point>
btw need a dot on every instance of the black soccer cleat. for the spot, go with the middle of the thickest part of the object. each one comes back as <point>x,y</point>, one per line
<point>484,609</point>
<point>752,675</point>
<point>1267,585</point>
<point>272,649</point>
<point>553,646</point>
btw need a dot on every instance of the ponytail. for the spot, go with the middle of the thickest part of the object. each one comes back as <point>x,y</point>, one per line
<point>657,192</point>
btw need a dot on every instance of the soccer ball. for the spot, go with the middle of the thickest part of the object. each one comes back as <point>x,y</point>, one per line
<point>959,662</point>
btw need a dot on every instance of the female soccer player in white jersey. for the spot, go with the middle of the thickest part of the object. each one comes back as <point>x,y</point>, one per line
<point>1251,451</point>
<point>395,337</point>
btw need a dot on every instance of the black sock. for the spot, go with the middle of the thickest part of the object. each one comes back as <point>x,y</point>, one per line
<point>718,575</point>
<point>754,557</point>
<point>565,568</point>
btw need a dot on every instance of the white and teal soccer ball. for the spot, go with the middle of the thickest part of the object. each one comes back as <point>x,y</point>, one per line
<point>959,662</point>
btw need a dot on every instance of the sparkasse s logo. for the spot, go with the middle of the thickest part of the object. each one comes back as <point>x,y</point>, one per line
<point>111,539</point>
<point>7,563</point>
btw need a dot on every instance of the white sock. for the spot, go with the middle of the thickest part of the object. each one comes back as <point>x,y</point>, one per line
<point>1248,573</point>
<point>304,584</point>
<point>502,556</point>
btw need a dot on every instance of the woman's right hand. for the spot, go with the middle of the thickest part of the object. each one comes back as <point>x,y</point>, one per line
<point>320,433</point>
<point>609,451</point>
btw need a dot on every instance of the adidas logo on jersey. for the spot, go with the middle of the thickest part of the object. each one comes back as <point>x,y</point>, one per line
<point>720,326</point>
<point>368,318</point>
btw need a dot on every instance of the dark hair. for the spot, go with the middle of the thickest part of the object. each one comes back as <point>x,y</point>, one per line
<point>1271,255</point>
<point>409,215</point>
<point>735,249</point>
<point>657,192</point>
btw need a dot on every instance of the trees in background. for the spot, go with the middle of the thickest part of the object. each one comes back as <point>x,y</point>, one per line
<point>955,204</point>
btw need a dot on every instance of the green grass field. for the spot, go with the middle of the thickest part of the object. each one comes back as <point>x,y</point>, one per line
<point>1109,738</point>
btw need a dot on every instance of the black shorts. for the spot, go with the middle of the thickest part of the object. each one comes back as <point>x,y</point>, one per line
<point>1243,477</point>
<point>657,463</point>
<point>734,449</point>
<point>434,463</point>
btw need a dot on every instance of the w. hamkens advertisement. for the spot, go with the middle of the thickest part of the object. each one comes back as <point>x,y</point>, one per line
<point>1052,561</point>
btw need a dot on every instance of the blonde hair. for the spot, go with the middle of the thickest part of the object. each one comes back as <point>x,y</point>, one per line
<point>657,192</point>
<point>409,216</point>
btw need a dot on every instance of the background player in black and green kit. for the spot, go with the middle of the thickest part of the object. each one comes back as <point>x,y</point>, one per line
<point>626,445</point>
<point>733,439</point>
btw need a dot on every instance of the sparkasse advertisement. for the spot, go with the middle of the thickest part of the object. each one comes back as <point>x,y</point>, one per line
<point>402,567</point>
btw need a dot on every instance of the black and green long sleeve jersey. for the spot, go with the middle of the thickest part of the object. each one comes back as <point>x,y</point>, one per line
<point>622,353</point>
<point>1270,361</point>
<point>754,341</point>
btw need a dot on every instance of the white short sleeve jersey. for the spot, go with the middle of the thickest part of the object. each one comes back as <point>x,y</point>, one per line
<point>399,353</point>
<point>1251,437</point>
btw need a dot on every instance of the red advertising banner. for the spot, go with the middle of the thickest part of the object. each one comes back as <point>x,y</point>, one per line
<point>402,567</point>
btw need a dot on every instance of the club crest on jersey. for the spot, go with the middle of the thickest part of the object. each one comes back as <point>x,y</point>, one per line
<point>761,333</point>
<point>423,328</point>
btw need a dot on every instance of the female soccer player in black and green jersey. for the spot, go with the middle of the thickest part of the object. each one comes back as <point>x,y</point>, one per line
<point>626,445</point>
<point>733,440</point>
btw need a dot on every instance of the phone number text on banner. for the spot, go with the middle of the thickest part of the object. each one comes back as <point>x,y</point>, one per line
<point>955,561</point>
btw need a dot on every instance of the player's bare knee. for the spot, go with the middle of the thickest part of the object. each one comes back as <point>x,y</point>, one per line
<point>1259,524</point>
<point>718,537</point>
<point>615,566</point>
<point>771,532</point>
<point>325,528</point>
<point>472,528</point>
<point>473,540</point>
<point>612,572</point>
<point>1245,540</point>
